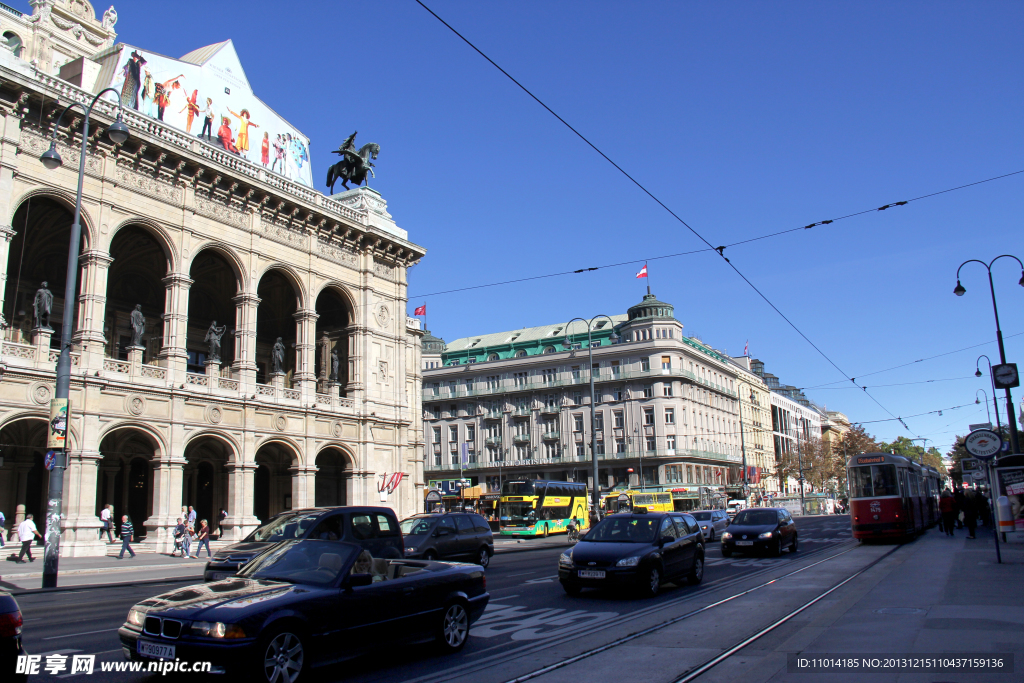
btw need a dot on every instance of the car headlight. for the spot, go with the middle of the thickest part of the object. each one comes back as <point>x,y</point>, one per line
<point>726,535</point>
<point>136,617</point>
<point>216,629</point>
<point>410,549</point>
<point>565,559</point>
<point>704,527</point>
<point>628,561</point>
<point>767,534</point>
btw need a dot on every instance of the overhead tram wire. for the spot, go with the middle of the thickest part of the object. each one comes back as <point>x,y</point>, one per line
<point>721,249</point>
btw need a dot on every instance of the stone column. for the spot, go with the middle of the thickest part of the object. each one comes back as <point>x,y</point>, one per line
<point>81,523</point>
<point>174,351</point>
<point>6,235</point>
<point>304,378</point>
<point>244,366</point>
<point>303,486</point>
<point>19,515</point>
<point>241,489</point>
<point>92,306</point>
<point>168,478</point>
<point>355,387</point>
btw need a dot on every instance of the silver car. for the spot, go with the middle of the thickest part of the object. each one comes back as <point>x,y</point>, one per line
<point>712,523</point>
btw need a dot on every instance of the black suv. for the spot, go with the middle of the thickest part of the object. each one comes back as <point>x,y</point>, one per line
<point>451,535</point>
<point>374,528</point>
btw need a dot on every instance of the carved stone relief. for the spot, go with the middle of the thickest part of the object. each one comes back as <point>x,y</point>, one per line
<point>148,186</point>
<point>220,212</point>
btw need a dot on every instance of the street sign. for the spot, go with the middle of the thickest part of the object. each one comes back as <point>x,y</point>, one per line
<point>50,459</point>
<point>983,425</point>
<point>983,444</point>
<point>979,477</point>
<point>968,465</point>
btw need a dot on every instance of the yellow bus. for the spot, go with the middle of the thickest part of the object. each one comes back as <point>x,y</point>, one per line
<point>539,507</point>
<point>624,501</point>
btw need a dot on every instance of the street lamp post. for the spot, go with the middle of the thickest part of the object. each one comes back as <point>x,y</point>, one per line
<point>595,494</point>
<point>800,463</point>
<point>988,413</point>
<point>995,401</point>
<point>118,133</point>
<point>959,290</point>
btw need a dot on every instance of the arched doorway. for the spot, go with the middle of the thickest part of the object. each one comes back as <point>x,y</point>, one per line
<point>331,486</point>
<point>134,278</point>
<point>205,477</point>
<point>126,476</point>
<point>273,485</point>
<point>38,253</point>
<point>335,316</point>
<point>23,479</point>
<point>275,317</point>
<point>214,285</point>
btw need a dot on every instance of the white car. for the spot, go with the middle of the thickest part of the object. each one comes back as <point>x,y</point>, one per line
<point>712,523</point>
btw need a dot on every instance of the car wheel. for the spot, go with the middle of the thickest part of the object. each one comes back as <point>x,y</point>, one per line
<point>430,556</point>
<point>484,558</point>
<point>776,548</point>
<point>650,582</point>
<point>793,548</point>
<point>571,588</point>
<point>453,628</point>
<point>726,552</point>
<point>711,539</point>
<point>282,657</point>
<point>697,575</point>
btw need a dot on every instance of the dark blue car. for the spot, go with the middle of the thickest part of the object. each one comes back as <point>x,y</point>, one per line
<point>305,604</point>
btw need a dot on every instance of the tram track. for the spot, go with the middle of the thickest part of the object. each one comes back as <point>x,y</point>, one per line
<point>696,671</point>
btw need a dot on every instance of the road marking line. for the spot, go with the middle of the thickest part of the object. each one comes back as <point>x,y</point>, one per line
<point>86,633</point>
<point>523,574</point>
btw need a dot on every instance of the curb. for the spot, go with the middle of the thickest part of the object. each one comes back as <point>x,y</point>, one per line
<point>94,586</point>
<point>97,570</point>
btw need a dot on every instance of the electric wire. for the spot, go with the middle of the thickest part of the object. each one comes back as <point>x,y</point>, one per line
<point>898,384</point>
<point>720,249</point>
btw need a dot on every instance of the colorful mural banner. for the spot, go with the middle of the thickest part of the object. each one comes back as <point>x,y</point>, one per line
<point>206,93</point>
<point>57,434</point>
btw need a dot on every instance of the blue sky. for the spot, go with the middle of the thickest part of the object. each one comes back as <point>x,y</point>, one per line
<point>744,118</point>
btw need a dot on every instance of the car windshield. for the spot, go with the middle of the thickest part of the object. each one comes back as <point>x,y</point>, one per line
<point>756,517</point>
<point>702,516</point>
<point>414,525</point>
<point>284,528</point>
<point>624,530</point>
<point>315,563</point>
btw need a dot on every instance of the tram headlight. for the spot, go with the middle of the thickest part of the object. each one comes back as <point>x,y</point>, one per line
<point>767,534</point>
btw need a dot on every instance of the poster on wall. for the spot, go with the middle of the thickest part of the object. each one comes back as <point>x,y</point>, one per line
<point>206,94</point>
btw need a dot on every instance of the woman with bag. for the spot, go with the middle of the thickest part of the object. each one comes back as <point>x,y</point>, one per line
<point>203,538</point>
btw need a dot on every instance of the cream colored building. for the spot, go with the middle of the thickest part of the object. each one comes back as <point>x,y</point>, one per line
<point>756,423</point>
<point>193,235</point>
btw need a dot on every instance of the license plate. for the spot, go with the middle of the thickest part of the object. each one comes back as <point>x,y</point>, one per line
<point>155,649</point>
<point>591,574</point>
<point>217,576</point>
<point>744,543</point>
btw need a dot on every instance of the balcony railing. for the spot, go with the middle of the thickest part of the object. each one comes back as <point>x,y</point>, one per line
<point>493,441</point>
<point>550,410</point>
<point>521,438</point>
<point>551,436</point>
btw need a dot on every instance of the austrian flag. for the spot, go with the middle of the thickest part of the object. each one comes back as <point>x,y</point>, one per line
<point>420,310</point>
<point>643,271</point>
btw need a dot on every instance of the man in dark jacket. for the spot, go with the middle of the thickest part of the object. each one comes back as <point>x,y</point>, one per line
<point>958,506</point>
<point>970,509</point>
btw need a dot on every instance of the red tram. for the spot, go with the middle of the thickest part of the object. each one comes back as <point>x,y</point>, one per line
<point>891,496</point>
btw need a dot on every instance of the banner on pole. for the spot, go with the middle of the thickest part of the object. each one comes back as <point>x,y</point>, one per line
<point>57,436</point>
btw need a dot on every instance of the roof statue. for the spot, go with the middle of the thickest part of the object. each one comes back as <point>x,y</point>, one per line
<point>353,166</point>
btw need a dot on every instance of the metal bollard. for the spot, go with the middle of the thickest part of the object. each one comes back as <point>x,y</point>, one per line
<point>1004,514</point>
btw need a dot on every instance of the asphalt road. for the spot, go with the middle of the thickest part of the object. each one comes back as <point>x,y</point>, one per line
<point>528,606</point>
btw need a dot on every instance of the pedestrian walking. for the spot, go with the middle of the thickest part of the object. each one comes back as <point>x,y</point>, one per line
<point>220,522</point>
<point>203,538</point>
<point>107,523</point>
<point>970,513</point>
<point>958,507</point>
<point>192,517</point>
<point>947,506</point>
<point>3,528</point>
<point>981,502</point>
<point>27,533</point>
<point>127,531</point>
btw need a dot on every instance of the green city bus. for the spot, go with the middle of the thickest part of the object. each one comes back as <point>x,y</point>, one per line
<point>538,507</point>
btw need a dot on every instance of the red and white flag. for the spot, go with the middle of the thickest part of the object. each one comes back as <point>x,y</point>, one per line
<point>420,310</point>
<point>643,271</point>
<point>746,348</point>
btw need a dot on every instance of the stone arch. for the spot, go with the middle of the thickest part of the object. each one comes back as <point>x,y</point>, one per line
<point>23,475</point>
<point>342,290</point>
<point>334,466</point>
<point>208,458</point>
<point>345,449</point>
<point>281,297</point>
<point>278,463</point>
<point>65,199</point>
<point>129,452</point>
<point>157,232</point>
<point>157,439</point>
<point>229,255</point>
<point>217,279</point>
<point>228,440</point>
<point>293,277</point>
<point>335,319</point>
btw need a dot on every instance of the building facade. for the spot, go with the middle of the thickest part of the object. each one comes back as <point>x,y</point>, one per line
<point>314,393</point>
<point>518,403</point>
<point>756,426</point>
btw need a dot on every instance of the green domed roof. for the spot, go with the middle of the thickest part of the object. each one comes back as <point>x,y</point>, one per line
<point>650,307</point>
<point>432,343</point>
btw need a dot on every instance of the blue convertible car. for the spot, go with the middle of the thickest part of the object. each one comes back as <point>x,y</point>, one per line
<point>305,604</point>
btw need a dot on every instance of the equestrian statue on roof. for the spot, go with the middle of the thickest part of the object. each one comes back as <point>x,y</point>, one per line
<point>354,165</point>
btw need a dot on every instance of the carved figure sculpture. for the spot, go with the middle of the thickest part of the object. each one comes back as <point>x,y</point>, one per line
<point>353,166</point>
<point>213,336</point>
<point>42,305</point>
<point>109,18</point>
<point>335,365</point>
<point>277,357</point>
<point>138,325</point>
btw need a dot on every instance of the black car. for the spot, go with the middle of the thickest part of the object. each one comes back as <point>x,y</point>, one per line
<point>299,606</point>
<point>374,528</point>
<point>760,529</point>
<point>635,551</point>
<point>10,638</point>
<point>464,535</point>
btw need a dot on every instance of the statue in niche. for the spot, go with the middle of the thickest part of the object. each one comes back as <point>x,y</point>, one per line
<point>335,365</point>
<point>213,336</point>
<point>138,325</point>
<point>42,305</point>
<point>277,357</point>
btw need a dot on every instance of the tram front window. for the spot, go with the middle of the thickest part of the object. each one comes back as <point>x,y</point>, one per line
<point>876,480</point>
